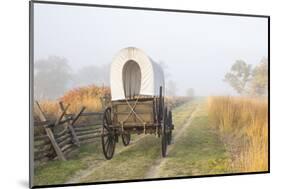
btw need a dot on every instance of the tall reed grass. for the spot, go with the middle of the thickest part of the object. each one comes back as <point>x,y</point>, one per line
<point>243,126</point>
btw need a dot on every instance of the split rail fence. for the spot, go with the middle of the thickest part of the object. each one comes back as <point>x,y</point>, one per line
<point>59,137</point>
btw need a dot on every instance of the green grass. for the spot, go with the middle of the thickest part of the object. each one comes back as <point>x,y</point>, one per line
<point>183,112</point>
<point>134,162</point>
<point>57,172</point>
<point>131,163</point>
<point>198,151</point>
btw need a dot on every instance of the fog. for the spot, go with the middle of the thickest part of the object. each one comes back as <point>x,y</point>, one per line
<point>196,49</point>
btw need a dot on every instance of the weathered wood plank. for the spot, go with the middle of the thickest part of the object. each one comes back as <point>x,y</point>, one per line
<point>70,150</point>
<point>49,133</point>
<point>42,146</point>
<point>63,137</point>
<point>50,122</point>
<point>78,129</point>
<point>96,124</point>
<point>40,159</point>
<point>90,136</point>
<point>70,125</point>
<point>92,140</point>
<point>63,132</point>
<point>61,116</point>
<point>39,112</point>
<point>79,133</point>
<point>65,147</point>
<point>42,123</point>
<point>66,141</point>
<point>41,153</point>
<point>78,115</point>
<point>55,145</point>
<point>76,139</point>
<point>88,114</point>
<point>41,137</point>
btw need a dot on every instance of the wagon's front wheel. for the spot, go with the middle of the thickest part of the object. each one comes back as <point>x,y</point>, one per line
<point>126,137</point>
<point>164,134</point>
<point>108,135</point>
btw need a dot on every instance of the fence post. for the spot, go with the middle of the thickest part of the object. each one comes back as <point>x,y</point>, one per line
<point>49,132</point>
<point>70,124</point>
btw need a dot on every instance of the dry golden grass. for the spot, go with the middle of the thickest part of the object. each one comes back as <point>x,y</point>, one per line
<point>90,97</point>
<point>243,126</point>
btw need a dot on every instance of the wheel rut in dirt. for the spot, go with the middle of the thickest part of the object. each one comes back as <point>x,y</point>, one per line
<point>185,114</point>
<point>153,172</point>
<point>85,173</point>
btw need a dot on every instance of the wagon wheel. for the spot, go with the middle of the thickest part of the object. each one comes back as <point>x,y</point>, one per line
<point>108,135</point>
<point>126,137</point>
<point>164,133</point>
<point>170,126</point>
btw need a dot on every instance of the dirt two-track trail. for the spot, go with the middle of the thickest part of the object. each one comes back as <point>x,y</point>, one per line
<point>154,171</point>
<point>195,150</point>
<point>91,169</point>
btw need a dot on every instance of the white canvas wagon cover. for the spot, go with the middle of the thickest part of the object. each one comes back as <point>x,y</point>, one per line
<point>133,73</point>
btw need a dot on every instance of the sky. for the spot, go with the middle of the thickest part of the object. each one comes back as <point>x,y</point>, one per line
<point>197,49</point>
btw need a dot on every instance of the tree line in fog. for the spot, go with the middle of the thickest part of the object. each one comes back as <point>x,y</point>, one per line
<point>53,76</point>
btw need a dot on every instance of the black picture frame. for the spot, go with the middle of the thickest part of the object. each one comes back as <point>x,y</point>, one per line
<point>31,100</point>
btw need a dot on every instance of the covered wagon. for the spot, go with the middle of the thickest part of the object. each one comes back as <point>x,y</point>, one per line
<point>137,101</point>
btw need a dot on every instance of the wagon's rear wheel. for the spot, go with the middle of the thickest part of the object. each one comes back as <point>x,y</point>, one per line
<point>164,133</point>
<point>126,137</point>
<point>170,127</point>
<point>108,135</point>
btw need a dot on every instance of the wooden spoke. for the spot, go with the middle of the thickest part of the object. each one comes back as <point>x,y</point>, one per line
<point>108,146</point>
<point>106,142</point>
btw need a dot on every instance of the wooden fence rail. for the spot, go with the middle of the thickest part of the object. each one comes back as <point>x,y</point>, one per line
<point>59,144</point>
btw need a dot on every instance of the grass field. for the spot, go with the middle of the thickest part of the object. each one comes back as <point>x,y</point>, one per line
<point>133,161</point>
<point>198,148</point>
<point>198,151</point>
<point>243,126</point>
<point>56,172</point>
